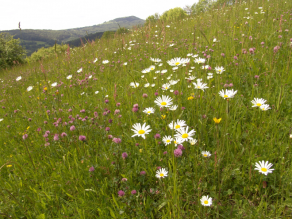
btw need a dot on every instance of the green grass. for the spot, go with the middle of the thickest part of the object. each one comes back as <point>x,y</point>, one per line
<point>54,181</point>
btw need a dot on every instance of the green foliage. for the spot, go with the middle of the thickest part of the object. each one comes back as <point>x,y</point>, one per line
<point>89,37</point>
<point>45,169</point>
<point>173,14</point>
<point>152,19</point>
<point>108,34</point>
<point>45,53</point>
<point>11,53</point>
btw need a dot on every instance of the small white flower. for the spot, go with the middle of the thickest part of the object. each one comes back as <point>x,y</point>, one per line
<point>96,92</point>
<point>227,94</point>
<point>134,85</point>
<point>69,77</point>
<point>79,70</point>
<point>146,85</point>
<point>95,60</point>
<point>264,167</point>
<point>174,107</point>
<point>149,110</point>
<point>90,76</point>
<point>164,71</point>
<point>18,78</point>
<point>206,201</point>
<point>1,119</point>
<point>125,63</point>
<point>105,61</point>
<point>82,93</point>
<point>258,102</point>
<point>206,154</point>
<point>183,134</point>
<point>265,107</point>
<point>193,141</point>
<point>54,84</point>
<point>29,88</point>
<point>167,140</point>
<point>160,64</point>
<point>162,173</point>
<point>141,130</point>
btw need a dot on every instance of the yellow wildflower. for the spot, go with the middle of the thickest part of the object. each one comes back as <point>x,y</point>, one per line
<point>163,116</point>
<point>217,121</point>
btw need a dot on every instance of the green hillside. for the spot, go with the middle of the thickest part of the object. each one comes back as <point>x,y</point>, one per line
<point>31,39</point>
<point>189,118</point>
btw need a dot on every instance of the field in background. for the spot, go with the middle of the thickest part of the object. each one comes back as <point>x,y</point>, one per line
<point>67,123</point>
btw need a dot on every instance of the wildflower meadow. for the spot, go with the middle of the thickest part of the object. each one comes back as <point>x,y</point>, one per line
<point>182,119</point>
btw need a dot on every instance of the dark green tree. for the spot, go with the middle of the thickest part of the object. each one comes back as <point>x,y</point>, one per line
<point>11,52</point>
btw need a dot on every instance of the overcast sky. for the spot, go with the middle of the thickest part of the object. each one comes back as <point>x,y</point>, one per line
<point>65,14</point>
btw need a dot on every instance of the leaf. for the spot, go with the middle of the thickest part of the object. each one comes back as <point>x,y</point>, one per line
<point>229,192</point>
<point>41,216</point>
<point>161,205</point>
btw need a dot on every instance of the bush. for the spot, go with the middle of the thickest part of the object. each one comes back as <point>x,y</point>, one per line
<point>11,52</point>
<point>173,14</point>
<point>44,53</point>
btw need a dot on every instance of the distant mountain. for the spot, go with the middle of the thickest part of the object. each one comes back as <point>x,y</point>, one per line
<point>32,40</point>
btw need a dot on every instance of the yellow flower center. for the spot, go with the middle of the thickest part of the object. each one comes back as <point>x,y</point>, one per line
<point>161,174</point>
<point>264,169</point>
<point>205,155</point>
<point>148,112</point>
<point>199,87</point>
<point>258,104</point>
<point>219,70</point>
<point>163,103</point>
<point>136,86</point>
<point>152,68</point>
<point>185,135</point>
<point>166,88</point>
<point>206,202</point>
<point>167,140</point>
<point>175,142</point>
<point>225,96</point>
<point>177,127</point>
<point>141,132</point>
<point>177,63</point>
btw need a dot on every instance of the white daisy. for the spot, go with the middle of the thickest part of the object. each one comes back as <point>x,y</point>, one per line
<point>146,85</point>
<point>105,61</point>
<point>257,102</point>
<point>165,86</point>
<point>206,154</point>
<point>265,107</point>
<point>141,130</point>
<point>205,67</point>
<point>200,61</point>
<point>96,92</point>
<point>160,64</point>
<point>174,68</point>
<point>18,78</point>
<point>152,85</point>
<point>125,63</point>
<point>163,101</point>
<point>1,119</point>
<point>219,70</point>
<point>177,125</point>
<point>183,134</point>
<point>164,71</point>
<point>146,70</point>
<point>176,61</point>
<point>200,85</point>
<point>90,76</point>
<point>227,94</point>
<point>190,54</point>
<point>264,167</point>
<point>157,72</point>
<point>155,60</point>
<point>69,77</point>
<point>173,82</point>
<point>95,60</point>
<point>210,75</point>
<point>162,173</point>
<point>149,110</point>
<point>193,141</point>
<point>206,201</point>
<point>190,78</point>
<point>79,70</point>
<point>195,56</point>
<point>152,67</point>
<point>134,84</point>
<point>54,84</point>
<point>174,107</point>
<point>167,140</point>
<point>29,88</point>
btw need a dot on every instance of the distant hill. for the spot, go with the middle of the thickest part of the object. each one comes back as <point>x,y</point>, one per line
<point>32,40</point>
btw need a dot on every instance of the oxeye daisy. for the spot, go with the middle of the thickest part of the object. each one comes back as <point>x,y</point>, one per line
<point>227,94</point>
<point>257,102</point>
<point>191,77</point>
<point>219,70</point>
<point>173,82</point>
<point>264,167</point>
<point>200,61</point>
<point>134,84</point>
<point>155,60</point>
<point>18,78</point>
<point>79,70</point>
<point>29,88</point>
<point>162,173</point>
<point>210,75</point>
<point>54,84</point>
<point>164,101</point>
<point>177,125</point>
<point>146,70</point>
<point>69,77</point>
<point>95,60</point>
<point>167,140</point>
<point>183,134</point>
<point>193,141</point>
<point>174,107</point>
<point>177,141</point>
<point>265,107</point>
<point>165,86</point>
<point>206,201</point>
<point>206,154</point>
<point>149,110</point>
<point>205,67</point>
<point>105,61</point>
<point>146,85</point>
<point>141,130</point>
<point>157,72</point>
<point>176,61</point>
<point>195,55</point>
<point>151,68</point>
<point>200,85</point>
<point>164,71</point>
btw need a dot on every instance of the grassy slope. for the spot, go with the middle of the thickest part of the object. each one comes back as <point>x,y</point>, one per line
<point>55,181</point>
